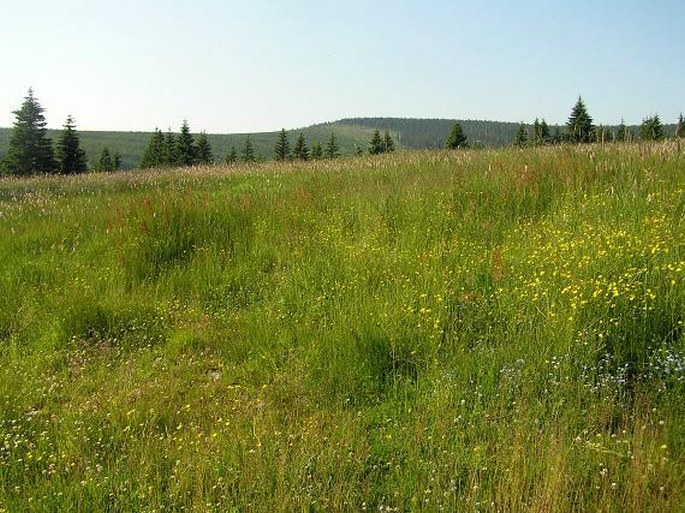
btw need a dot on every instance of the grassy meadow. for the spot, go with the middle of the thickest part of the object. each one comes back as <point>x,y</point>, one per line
<point>497,330</point>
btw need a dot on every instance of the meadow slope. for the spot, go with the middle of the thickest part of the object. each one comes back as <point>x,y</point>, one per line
<point>424,331</point>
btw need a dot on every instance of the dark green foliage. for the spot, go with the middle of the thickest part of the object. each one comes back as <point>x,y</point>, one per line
<point>521,139</point>
<point>169,153</point>
<point>248,151</point>
<point>301,150</point>
<point>537,133</point>
<point>282,148</point>
<point>557,137</point>
<point>106,161</point>
<point>317,151</point>
<point>30,150</point>
<point>457,138</point>
<point>388,143</point>
<point>545,136</point>
<point>375,144</point>
<point>378,144</point>
<point>680,127</point>
<point>332,149</point>
<point>71,159</point>
<point>580,128</point>
<point>652,129</point>
<point>185,146</point>
<point>155,152</point>
<point>203,150</point>
<point>231,156</point>
<point>623,133</point>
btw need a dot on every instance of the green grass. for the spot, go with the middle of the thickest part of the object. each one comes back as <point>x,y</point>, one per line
<point>435,331</point>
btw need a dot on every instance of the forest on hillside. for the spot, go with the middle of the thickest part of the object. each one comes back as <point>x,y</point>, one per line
<point>27,148</point>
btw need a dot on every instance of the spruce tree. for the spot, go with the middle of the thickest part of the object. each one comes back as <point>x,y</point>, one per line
<point>457,138</point>
<point>376,143</point>
<point>557,137</point>
<point>521,138</point>
<point>169,154</point>
<point>652,129</point>
<point>30,150</point>
<point>104,162</point>
<point>248,151</point>
<point>301,150</point>
<point>71,159</point>
<point>623,133</point>
<point>203,150</point>
<point>282,148</point>
<point>545,136</point>
<point>155,151</point>
<point>317,151</point>
<point>388,143</point>
<point>579,125</point>
<point>332,149</point>
<point>231,156</point>
<point>116,161</point>
<point>185,146</point>
<point>537,133</point>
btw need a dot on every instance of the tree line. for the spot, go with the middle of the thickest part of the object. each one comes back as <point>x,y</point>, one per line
<point>31,151</point>
<point>580,129</point>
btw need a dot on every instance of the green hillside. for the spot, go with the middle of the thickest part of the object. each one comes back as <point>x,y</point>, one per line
<point>131,145</point>
<point>498,330</point>
<point>351,134</point>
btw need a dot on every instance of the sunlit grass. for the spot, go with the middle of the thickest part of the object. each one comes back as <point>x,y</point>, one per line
<point>494,330</point>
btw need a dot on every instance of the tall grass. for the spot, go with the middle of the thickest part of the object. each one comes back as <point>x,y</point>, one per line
<point>489,331</point>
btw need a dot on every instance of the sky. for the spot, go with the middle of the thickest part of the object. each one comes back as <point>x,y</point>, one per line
<point>260,65</point>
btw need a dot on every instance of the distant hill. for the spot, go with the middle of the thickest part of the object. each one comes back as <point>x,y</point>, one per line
<point>131,145</point>
<point>351,134</point>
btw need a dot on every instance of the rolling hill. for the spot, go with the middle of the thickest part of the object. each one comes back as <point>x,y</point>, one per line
<point>352,135</point>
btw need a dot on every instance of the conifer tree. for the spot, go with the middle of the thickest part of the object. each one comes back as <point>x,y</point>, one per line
<point>332,149</point>
<point>301,150</point>
<point>282,148</point>
<point>457,138</point>
<point>521,138</point>
<point>652,129</point>
<point>557,137</point>
<point>30,150</point>
<point>375,144</point>
<point>116,161</point>
<point>185,146</point>
<point>169,153</point>
<point>231,156</point>
<point>317,151</point>
<point>680,127</point>
<point>155,151</point>
<point>545,136</point>
<point>71,159</point>
<point>388,143</point>
<point>579,125</point>
<point>248,151</point>
<point>104,162</point>
<point>203,150</point>
<point>623,133</point>
<point>537,134</point>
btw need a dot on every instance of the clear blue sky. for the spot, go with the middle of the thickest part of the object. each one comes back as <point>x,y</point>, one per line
<point>256,65</point>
